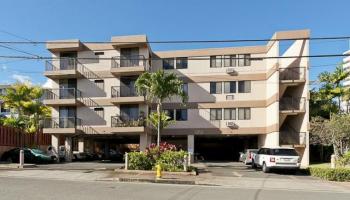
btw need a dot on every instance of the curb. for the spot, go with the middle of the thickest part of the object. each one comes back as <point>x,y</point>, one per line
<point>160,181</point>
<point>123,171</point>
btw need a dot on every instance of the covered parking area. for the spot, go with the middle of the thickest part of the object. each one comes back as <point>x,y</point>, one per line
<point>223,147</point>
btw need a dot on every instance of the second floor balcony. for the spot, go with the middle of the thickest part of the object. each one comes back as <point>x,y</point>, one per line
<point>126,95</point>
<point>61,97</point>
<point>292,105</point>
<point>128,65</point>
<point>61,125</point>
<point>125,124</point>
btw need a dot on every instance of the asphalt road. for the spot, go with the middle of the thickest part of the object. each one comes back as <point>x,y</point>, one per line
<point>44,189</point>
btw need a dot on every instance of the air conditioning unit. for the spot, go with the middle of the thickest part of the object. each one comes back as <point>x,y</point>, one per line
<point>230,97</point>
<point>232,125</point>
<point>231,71</point>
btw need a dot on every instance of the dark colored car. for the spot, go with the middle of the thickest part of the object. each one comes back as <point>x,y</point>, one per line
<point>30,156</point>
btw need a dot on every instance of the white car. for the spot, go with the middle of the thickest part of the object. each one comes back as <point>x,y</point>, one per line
<point>276,158</point>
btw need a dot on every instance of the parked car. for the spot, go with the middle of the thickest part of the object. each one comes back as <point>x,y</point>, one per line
<point>242,156</point>
<point>30,156</point>
<point>83,156</point>
<point>276,158</point>
<point>249,153</point>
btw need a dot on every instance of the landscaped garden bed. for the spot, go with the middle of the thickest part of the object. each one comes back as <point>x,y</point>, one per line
<point>166,155</point>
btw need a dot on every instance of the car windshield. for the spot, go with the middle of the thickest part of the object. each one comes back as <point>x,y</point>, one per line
<point>283,152</point>
<point>253,150</point>
<point>37,151</point>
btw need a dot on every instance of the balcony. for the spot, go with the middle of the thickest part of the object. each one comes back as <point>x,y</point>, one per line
<point>296,139</point>
<point>125,95</point>
<point>292,105</point>
<point>62,68</point>
<point>61,97</point>
<point>61,125</point>
<point>293,75</point>
<point>125,124</point>
<point>128,65</point>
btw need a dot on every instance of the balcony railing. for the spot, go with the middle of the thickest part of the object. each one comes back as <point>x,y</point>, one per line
<point>129,61</point>
<point>292,74</point>
<point>292,104</point>
<point>61,93</point>
<point>125,121</point>
<point>61,64</point>
<point>61,122</point>
<point>123,91</point>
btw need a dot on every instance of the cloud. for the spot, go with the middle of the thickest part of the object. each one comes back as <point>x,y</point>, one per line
<point>48,84</point>
<point>22,78</point>
<point>3,67</point>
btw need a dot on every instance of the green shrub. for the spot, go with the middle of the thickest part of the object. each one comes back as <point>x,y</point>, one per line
<point>337,174</point>
<point>172,160</point>
<point>139,161</point>
<point>344,160</point>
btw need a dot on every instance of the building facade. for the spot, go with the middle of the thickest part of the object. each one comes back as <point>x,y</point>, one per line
<point>346,66</point>
<point>4,112</point>
<point>239,97</point>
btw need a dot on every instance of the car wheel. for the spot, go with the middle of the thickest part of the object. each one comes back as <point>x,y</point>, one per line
<point>265,169</point>
<point>253,164</point>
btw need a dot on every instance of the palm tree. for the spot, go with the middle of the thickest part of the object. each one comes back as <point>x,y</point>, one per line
<point>332,86</point>
<point>158,87</point>
<point>23,100</point>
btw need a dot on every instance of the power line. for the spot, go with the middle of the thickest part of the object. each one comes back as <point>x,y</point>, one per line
<point>181,41</point>
<point>18,50</point>
<point>17,36</point>
<point>189,58</point>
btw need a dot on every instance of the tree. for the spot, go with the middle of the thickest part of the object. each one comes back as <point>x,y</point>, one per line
<point>158,87</point>
<point>334,131</point>
<point>320,106</point>
<point>154,120</point>
<point>332,87</point>
<point>26,108</point>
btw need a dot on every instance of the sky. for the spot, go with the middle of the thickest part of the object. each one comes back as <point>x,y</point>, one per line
<point>42,20</point>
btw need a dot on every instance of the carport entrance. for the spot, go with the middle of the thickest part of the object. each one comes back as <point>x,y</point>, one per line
<point>223,148</point>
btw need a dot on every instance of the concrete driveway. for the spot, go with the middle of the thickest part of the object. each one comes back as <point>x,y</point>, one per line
<point>238,169</point>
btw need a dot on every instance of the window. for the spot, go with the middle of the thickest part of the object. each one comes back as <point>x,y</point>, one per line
<point>99,53</point>
<point>99,112</point>
<point>244,60</point>
<point>181,63</point>
<point>240,60</point>
<point>243,113</point>
<point>170,113</point>
<point>215,88</point>
<point>185,88</point>
<point>181,115</point>
<point>230,87</point>
<point>215,61</point>
<point>168,63</point>
<point>230,61</point>
<point>230,114</point>
<point>215,114</point>
<point>100,84</point>
<point>244,86</point>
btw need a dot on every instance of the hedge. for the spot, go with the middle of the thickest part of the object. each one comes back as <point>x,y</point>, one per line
<point>337,174</point>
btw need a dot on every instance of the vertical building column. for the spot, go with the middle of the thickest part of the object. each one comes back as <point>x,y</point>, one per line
<point>81,144</point>
<point>145,141</point>
<point>269,140</point>
<point>190,146</point>
<point>68,147</point>
<point>55,141</point>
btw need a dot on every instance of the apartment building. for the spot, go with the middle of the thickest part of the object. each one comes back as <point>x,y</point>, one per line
<point>239,97</point>
<point>346,66</point>
<point>4,112</point>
